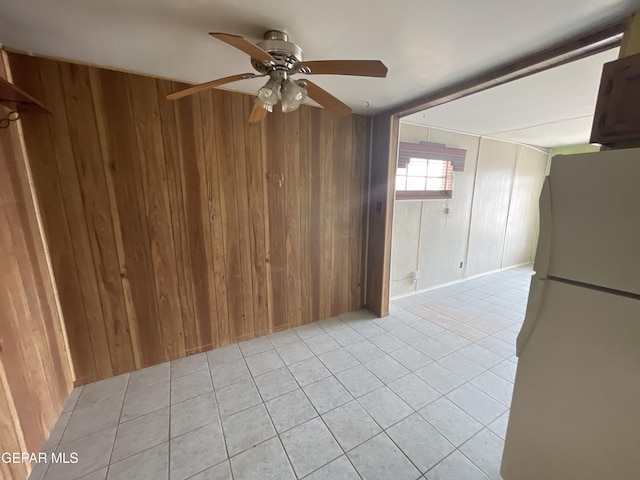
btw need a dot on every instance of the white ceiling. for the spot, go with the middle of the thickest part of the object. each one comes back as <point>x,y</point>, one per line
<point>425,44</point>
<point>548,109</point>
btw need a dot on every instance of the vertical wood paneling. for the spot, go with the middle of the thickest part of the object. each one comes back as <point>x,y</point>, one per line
<point>178,226</point>
<point>35,375</point>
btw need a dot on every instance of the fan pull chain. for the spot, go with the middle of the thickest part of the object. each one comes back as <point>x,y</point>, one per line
<point>12,117</point>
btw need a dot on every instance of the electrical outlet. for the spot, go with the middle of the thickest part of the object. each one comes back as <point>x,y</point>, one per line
<point>460,265</point>
<point>416,276</point>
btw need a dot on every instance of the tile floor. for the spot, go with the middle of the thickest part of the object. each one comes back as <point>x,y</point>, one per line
<point>421,394</point>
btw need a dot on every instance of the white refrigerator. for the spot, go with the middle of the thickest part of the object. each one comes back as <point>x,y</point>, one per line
<point>575,412</point>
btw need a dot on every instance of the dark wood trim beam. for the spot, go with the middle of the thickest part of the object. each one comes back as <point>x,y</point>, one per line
<point>575,48</point>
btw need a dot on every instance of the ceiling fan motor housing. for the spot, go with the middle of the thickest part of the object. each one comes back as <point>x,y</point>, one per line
<point>286,53</point>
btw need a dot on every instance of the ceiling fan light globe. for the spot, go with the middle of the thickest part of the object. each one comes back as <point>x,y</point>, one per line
<point>293,94</point>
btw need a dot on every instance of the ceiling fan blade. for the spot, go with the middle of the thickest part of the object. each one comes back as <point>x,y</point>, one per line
<point>257,114</point>
<point>208,85</point>
<point>362,68</point>
<point>245,45</point>
<point>327,100</point>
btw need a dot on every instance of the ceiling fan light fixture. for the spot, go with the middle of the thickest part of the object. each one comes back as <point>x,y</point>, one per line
<point>269,95</point>
<point>293,94</point>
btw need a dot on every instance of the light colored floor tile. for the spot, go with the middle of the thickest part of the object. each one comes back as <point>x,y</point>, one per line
<point>451,340</point>
<point>290,410</point>
<point>409,334</point>
<point>411,358</point>
<point>152,464</point>
<point>367,328</point>
<point>322,343</point>
<point>264,362</point>
<point>476,403</point>
<point>56,432</point>
<point>229,353</point>
<point>327,394</point>
<point>389,323</point>
<point>237,397</point>
<point>72,400</point>
<point>432,349</point>
<point>275,383</point>
<point>92,418</point>
<point>439,377</point>
<point>339,469</point>
<point>380,459</point>
<point>285,337</point>
<point>359,380</point>
<point>294,352</point>
<point>108,389</point>
<point>420,442</point>
<point>427,327</point>
<point>387,342</point>
<point>461,366</point>
<point>266,461</point>
<point>414,391</point>
<point>309,371</point>
<point>222,471</point>
<point>310,446</point>
<point>149,376</point>
<point>498,346</point>
<point>385,406</point>
<point>346,336</point>
<point>494,386</point>
<point>456,467</point>
<point>190,385</point>
<point>485,450</point>
<point>193,413</point>
<point>357,315</point>
<point>140,434</point>
<point>351,425</point>
<point>331,324</point>
<point>247,429</point>
<point>255,346</point>
<point>470,333</point>
<point>228,373</point>
<point>144,401</point>
<point>338,360</point>
<point>451,421</point>
<point>364,350</point>
<point>93,453</point>
<point>506,369</point>
<point>386,368</point>
<point>196,451</point>
<point>499,425</point>
<point>187,365</point>
<point>307,331</point>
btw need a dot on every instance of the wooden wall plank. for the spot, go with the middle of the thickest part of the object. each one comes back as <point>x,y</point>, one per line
<point>229,212</point>
<point>108,334</point>
<point>292,192</point>
<point>35,374</point>
<point>148,128</point>
<point>257,219</point>
<point>122,171</point>
<point>189,224</point>
<point>178,216</point>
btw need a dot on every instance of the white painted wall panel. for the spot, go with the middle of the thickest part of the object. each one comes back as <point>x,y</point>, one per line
<point>445,235</point>
<point>496,162</point>
<point>404,248</point>
<point>523,211</point>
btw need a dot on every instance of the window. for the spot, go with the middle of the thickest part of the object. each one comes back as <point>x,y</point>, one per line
<point>424,178</point>
<point>425,170</point>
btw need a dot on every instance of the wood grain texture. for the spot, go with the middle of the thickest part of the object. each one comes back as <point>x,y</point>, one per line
<point>177,227</point>
<point>35,375</point>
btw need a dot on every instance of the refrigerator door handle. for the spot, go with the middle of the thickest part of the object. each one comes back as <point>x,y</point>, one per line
<point>536,294</point>
<point>543,251</point>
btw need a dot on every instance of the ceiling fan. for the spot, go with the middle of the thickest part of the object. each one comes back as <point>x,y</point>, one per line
<point>280,59</point>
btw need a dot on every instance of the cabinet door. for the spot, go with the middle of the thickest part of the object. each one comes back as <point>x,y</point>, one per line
<point>617,117</point>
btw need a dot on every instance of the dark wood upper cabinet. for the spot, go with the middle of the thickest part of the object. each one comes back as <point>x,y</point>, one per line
<point>617,116</point>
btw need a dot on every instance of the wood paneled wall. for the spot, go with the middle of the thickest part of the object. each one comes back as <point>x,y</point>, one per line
<point>35,375</point>
<point>177,227</point>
